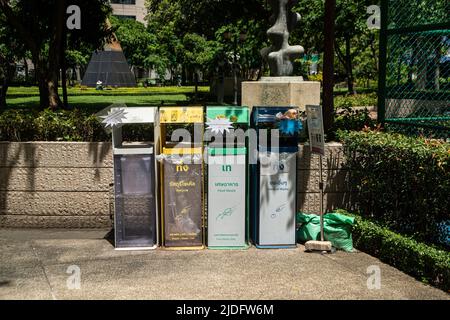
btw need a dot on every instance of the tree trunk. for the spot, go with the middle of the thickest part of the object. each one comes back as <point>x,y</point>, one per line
<point>328,65</point>
<point>433,72</point>
<point>348,61</point>
<point>25,64</point>
<point>48,85</point>
<point>374,52</point>
<point>9,69</point>
<point>43,92</point>
<point>52,87</point>
<point>54,56</point>
<point>64,86</point>
<point>421,64</point>
<point>196,85</point>
<point>78,73</point>
<point>35,74</point>
<point>47,73</point>
<point>183,76</point>
<point>221,85</point>
<point>62,52</point>
<point>3,92</point>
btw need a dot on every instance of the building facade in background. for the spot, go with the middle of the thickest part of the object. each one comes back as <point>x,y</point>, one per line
<point>130,9</point>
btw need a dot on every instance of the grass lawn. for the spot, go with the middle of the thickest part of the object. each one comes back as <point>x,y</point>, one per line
<point>72,91</point>
<point>28,97</point>
<point>89,98</point>
<point>99,102</point>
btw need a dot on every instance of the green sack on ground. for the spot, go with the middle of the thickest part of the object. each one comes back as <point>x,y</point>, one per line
<point>337,229</point>
<point>308,227</point>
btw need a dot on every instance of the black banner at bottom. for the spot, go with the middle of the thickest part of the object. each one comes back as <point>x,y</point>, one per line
<point>224,309</point>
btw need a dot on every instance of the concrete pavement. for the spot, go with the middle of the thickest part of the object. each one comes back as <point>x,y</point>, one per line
<point>34,265</point>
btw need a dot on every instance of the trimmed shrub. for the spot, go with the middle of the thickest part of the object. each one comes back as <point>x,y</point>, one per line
<point>425,263</point>
<point>16,125</point>
<point>401,182</point>
<point>62,125</point>
<point>47,125</point>
<point>357,100</point>
<point>349,119</point>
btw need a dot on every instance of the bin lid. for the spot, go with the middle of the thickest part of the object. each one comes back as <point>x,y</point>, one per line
<point>137,115</point>
<point>227,151</point>
<point>269,114</point>
<point>189,114</point>
<point>234,114</point>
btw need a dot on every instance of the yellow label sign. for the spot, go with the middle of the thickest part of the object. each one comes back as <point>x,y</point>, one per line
<point>182,168</point>
<point>181,115</point>
<point>182,151</point>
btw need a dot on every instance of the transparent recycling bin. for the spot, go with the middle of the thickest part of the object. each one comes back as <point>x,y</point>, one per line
<point>135,208</point>
<point>277,199</point>
<point>183,202</point>
<point>227,198</point>
<point>135,218</point>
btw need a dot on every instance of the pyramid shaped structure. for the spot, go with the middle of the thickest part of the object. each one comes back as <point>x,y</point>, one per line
<point>110,67</point>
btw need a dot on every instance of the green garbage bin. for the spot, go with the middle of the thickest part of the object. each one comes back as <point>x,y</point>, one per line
<point>227,178</point>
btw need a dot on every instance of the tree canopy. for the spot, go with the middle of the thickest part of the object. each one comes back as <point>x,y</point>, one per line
<point>180,34</point>
<point>172,20</point>
<point>41,26</point>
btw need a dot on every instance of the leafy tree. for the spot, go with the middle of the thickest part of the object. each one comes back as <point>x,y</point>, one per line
<point>356,46</point>
<point>134,40</point>
<point>199,54</point>
<point>41,26</point>
<point>11,50</point>
<point>172,21</point>
<point>77,57</point>
<point>165,24</point>
<point>206,16</point>
<point>350,28</point>
<point>247,37</point>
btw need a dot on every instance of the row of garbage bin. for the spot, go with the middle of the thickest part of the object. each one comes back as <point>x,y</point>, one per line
<point>185,195</point>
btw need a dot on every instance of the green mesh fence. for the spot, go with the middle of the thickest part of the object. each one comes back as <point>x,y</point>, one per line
<point>415,71</point>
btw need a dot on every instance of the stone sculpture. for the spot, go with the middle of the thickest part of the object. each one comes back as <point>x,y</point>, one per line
<point>280,55</point>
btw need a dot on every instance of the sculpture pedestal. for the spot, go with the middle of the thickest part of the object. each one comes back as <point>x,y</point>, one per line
<point>281,92</point>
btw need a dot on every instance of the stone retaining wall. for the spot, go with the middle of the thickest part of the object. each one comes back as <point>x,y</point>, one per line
<point>69,185</point>
<point>337,194</point>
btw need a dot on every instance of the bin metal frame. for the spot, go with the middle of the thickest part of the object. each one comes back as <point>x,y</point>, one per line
<point>219,155</point>
<point>263,234</point>
<point>135,115</point>
<point>167,117</point>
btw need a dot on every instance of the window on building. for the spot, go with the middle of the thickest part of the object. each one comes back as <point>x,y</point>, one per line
<point>123,1</point>
<point>125,17</point>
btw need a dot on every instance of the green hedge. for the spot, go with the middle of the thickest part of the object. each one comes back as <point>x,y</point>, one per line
<point>357,100</point>
<point>402,182</point>
<point>74,125</point>
<point>30,124</point>
<point>419,260</point>
<point>349,119</point>
<point>47,125</point>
